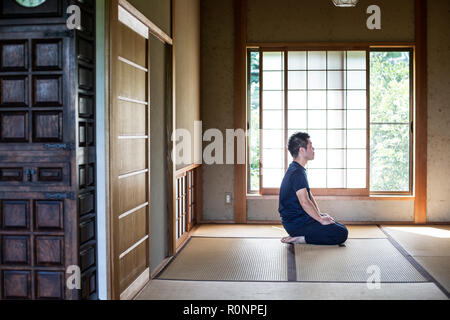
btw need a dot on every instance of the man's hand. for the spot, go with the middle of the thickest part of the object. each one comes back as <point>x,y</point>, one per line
<point>326,220</point>
<point>323,215</point>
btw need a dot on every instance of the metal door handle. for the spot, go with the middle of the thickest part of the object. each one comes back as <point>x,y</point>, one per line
<point>30,173</point>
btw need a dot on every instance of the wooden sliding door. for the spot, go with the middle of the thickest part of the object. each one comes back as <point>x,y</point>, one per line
<point>129,120</point>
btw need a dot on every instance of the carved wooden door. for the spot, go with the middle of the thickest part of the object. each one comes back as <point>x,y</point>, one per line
<point>47,151</point>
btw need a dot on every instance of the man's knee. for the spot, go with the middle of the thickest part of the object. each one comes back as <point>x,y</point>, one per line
<point>343,234</point>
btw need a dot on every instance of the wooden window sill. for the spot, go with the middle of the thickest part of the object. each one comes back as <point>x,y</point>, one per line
<point>372,197</point>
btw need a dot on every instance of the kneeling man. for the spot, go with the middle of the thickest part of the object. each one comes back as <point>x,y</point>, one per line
<point>298,209</point>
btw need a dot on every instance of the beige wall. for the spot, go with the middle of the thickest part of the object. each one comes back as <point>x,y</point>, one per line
<point>187,65</point>
<point>217,47</point>
<point>438,110</point>
<point>299,21</point>
<point>320,20</point>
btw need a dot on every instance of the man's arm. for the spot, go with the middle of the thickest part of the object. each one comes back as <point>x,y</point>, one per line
<point>313,200</point>
<point>311,208</point>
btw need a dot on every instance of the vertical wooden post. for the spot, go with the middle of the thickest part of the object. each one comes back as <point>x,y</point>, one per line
<point>240,174</point>
<point>170,127</point>
<point>421,114</point>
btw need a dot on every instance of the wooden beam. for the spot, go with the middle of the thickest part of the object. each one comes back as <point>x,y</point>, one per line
<point>170,120</point>
<point>355,45</point>
<point>153,28</point>
<point>421,113</point>
<point>240,174</point>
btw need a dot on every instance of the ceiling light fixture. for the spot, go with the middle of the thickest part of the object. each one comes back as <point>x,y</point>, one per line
<point>345,3</point>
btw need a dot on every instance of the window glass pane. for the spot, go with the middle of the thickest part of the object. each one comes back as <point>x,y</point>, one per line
<point>318,138</point>
<point>326,97</point>
<point>297,99</point>
<point>356,60</point>
<point>317,100</point>
<point>297,60</point>
<point>356,138</point>
<point>273,80</point>
<point>273,138</point>
<point>336,80</point>
<point>336,178</point>
<point>317,80</point>
<point>273,158</point>
<point>273,99</point>
<point>273,119</point>
<point>336,138</point>
<point>336,159</point>
<point>336,119</point>
<point>273,61</point>
<point>317,178</point>
<point>317,119</point>
<point>356,178</point>
<point>320,159</point>
<point>297,80</point>
<point>272,177</point>
<point>356,99</point>
<point>389,157</point>
<point>356,80</point>
<point>336,99</point>
<point>297,119</point>
<point>254,113</point>
<point>356,119</point>
<point>390,87</point>
<point>356,159</point>
<point>336,60</point>
<point>317,60</point>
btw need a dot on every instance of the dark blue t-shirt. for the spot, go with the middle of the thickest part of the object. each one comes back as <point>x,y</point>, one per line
<point>295,179</point>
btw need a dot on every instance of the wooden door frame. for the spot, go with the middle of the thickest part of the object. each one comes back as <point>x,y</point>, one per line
<point>163,37</point>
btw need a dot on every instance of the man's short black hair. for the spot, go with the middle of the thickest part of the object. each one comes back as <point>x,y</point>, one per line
<point>296,141</point>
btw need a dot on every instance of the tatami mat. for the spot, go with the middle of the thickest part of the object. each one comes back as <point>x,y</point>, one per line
<point>425,241</point>
<point>220,290</point>
<point>240,231</point>
<point>274,231</point>
<point>351,263</point>
<point>438,267</point>
<point>230,259</point>
<point>365,232</point>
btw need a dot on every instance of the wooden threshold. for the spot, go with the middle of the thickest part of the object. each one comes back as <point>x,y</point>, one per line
<point>136,287</point>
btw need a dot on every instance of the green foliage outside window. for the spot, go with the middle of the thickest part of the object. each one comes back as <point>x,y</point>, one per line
<point>254,121</point>
<point>390,121</point>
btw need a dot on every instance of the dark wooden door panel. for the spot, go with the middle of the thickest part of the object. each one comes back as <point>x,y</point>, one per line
<point>38,206</point>
<point>35,232</point>
<point>47,151</point>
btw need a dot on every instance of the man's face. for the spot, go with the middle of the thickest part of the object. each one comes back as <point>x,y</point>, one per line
<point>309,152</point>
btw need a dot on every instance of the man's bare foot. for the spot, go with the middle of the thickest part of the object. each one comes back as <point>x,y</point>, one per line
<point>293,240</point>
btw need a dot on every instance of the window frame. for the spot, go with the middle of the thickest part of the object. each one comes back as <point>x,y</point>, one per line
<point>355,192</point>
<point>411,117</point>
